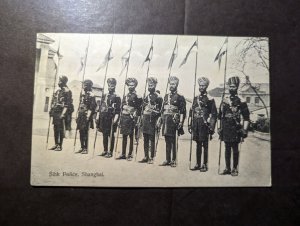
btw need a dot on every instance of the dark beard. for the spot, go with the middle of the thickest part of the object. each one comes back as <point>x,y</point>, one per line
<point>232,92</point>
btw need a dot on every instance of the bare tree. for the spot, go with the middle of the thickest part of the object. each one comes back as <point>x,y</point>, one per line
<point>251,51</point>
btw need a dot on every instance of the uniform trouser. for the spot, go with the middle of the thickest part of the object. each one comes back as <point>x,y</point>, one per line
<point>84,138</point>
<point>68,121</point>
<point>235,148</point>
<point>200,145</point>
<point>170,147</point>
<point>124,144</point>
<point>105,142</point>
<point>149,144</point>
<point>58,134</point>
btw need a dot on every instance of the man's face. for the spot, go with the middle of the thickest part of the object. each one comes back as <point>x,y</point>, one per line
<point>131,86</point>
<point>151,87</point>
<point>60,83</point>
<point>173,86</point>
<point>86,87</point>
<point>111,88</point>
<point>202,87</point>
<point>233,89</point>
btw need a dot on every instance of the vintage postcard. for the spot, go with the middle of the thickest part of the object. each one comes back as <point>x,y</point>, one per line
<point>126,110</point>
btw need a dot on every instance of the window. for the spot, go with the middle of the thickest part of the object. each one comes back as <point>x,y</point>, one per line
<point>46,104</point>
<point>256,100</point>
<point>248,99</point>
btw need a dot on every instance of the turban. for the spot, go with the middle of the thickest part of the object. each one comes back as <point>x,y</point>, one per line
<point>112,81</point>
<point>234,80</point>
<point>88,82</point>
<point>130,80</point>
<point>63,79</point>
<point>203,80</point>
<point>152,80</point>
<point>174,79</point>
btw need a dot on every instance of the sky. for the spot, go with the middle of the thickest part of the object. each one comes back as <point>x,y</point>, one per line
<point>73,46</point>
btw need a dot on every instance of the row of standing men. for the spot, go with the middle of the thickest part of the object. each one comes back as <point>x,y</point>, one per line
<point>150,115</point>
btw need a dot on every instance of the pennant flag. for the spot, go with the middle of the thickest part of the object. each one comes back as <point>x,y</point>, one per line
<point>188,53</point>
<point>125,61</point>
<point>221,53</point>
<point>56,58</point>
<point>174,55</point>
<point>150,53</point>
<point>83,59</point>
<point>107,58</point>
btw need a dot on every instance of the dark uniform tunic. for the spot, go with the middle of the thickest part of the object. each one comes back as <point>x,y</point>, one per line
<point>131,109</point>
<point>204,116</point>
<point>231,112</point>
<point>203,109</point>
<point>152,107</point>
<point>174,106</point>
<point>87,103</point>
<point>110,106</point>
<point>62,99</point>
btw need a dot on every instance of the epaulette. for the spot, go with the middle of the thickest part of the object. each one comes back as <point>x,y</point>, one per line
<point>91,94</point>
<point>66,89</point>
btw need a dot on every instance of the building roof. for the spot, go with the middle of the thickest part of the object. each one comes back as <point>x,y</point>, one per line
<point>44,39</point>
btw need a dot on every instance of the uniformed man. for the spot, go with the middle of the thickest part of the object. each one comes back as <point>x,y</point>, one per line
<point>234,121</point>
<point>152,106</point>
<point>202,121</point>
<point>109,113</point>
<point>60,105</point>
<point>174,113</point>
<point>87,107</point>
<point>131,110</point>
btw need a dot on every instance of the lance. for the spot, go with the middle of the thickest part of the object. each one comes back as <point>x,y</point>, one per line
<point>220,108</point>
<point>54,84</point>
<point>192,118</point>
<point>99,110</point>
<point>142,111</point>
<point>80,96</point>
<point>161,109</point>
<point>127,66</point>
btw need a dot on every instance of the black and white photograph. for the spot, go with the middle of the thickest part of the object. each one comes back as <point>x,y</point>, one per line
<point>132,110</point>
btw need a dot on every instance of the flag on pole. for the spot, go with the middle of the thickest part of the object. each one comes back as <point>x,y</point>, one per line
<point>188,53</point>
<point>221,52</point>
<point>150,53</point>
<point>83,59</point>
<point>56,58</point>
<point>174,55</point>
<point>125,60</point>
<point>107,58</point>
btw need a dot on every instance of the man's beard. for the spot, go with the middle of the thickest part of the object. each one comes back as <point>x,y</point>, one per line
<point>151,90</point>
<point>233,92</point>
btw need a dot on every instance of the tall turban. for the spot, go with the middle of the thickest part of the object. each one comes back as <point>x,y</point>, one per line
<point>174,79</point>
<point>234,80</point>
<point>203,80</point>
<point>130,80</point>
<point>112,81</point>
